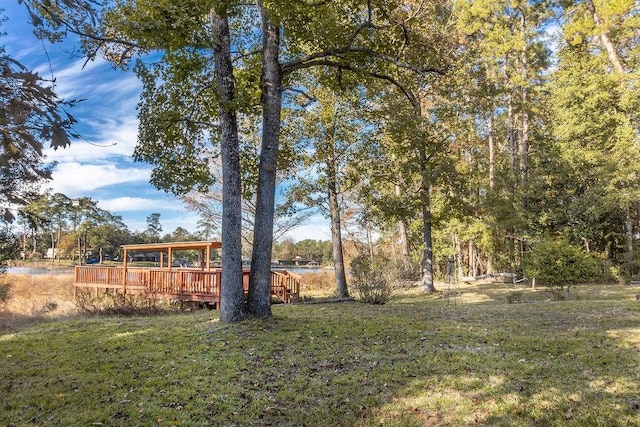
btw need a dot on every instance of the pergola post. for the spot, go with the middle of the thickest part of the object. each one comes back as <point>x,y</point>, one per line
<point>124,271</point>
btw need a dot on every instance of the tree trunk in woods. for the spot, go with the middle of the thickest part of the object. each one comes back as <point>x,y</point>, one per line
<point>492,153</point>
<point>427,256</point>
<point>460,269</point>
<point>336,239</point>
<point>524,137</point>
<point>427,253</point>
<point>511,135</point>
<point>259,299</point>
<point>511,123</point>
<point>342,290</point>
<point>629,232</point>
<point>614,59</point>
<point>231,294</point>
<point>605,40</point>
<point>404,243</point>
<point>404,240</point>
<point>472,259</point>
<point>492,170</point>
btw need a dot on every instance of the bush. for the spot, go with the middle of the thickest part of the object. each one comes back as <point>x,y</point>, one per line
<point>372,279</point>
<point>119,305</point>
<point>559,264</point>
<point>515,297</point>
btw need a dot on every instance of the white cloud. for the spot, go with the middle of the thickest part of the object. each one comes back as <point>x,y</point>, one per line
<point>75,79</point>
<point>318,228</point>
<point>112,138</point>
<point>75,179</point>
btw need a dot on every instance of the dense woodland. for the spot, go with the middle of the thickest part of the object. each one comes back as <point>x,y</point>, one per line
<point>425,130</point>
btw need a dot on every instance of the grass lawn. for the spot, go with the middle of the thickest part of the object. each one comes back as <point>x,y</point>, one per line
<point>421,360</point>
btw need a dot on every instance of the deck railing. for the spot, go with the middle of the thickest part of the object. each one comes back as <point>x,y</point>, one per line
<point>183,284</point>
<point>285,284</point>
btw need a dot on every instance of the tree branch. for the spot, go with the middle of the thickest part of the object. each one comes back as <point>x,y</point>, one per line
<point>310,98</point>
<point>311,60</point>
<point>329,63</point>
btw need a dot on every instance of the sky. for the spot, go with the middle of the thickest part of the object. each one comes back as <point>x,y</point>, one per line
<point>100,165</point>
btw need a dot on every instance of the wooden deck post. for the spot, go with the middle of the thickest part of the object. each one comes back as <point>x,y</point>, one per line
<point>124,272</point>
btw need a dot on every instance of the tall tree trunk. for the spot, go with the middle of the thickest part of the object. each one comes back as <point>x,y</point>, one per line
<point>427,252</point>
<point>404,239</point>
<point>427,256</point>
<point>492,152</point>
<point>334,210</point>
<point>336,238</point>
<point>615,61</point>
<point>53,248</point>
<point>604,39</point>
<point>24,246</point>
<point>232,293</point>
<point>472,259</point>
<point>511,134</point>
<point>259,299</point>
<point>370,241</point>
<point>459,262</point>
<point>492,171</point>
<point>629,233</point>
<point>524,138</point>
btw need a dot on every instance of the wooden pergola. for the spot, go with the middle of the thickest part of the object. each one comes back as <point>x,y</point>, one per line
<point>202,283</point>
<point>169,248</point>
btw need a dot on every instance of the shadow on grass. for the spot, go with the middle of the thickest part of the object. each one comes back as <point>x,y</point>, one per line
<point>414,362</point>
<point>510,365</point>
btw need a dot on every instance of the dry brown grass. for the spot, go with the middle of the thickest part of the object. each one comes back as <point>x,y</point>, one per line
<point>24,297</point>
<point>319,284</point>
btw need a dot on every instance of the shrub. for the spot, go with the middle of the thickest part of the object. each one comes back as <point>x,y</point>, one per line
<point>119,305</point>
<point>515,297</point>
<point>372,279</point>
<point>559,264</point>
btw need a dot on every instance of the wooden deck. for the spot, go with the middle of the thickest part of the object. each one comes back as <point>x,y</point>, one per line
<point>180,284</point>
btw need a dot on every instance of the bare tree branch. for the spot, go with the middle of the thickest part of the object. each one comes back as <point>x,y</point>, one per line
<point>341,66</point>
<point>311,60</point>
<point>310,98</point>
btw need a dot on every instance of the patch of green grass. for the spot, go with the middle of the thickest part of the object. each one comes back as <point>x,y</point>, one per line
<point>418,360</point>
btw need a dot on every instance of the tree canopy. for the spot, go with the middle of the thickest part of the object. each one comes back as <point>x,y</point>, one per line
<point>461,129</point>
<point>31,117</point>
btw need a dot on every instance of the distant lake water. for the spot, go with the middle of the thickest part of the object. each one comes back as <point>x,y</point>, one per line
<point>303,270</point>
<point>40,270</point>
<point>69,270</point>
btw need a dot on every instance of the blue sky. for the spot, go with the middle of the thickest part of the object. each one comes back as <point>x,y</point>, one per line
<point>100,165</point>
